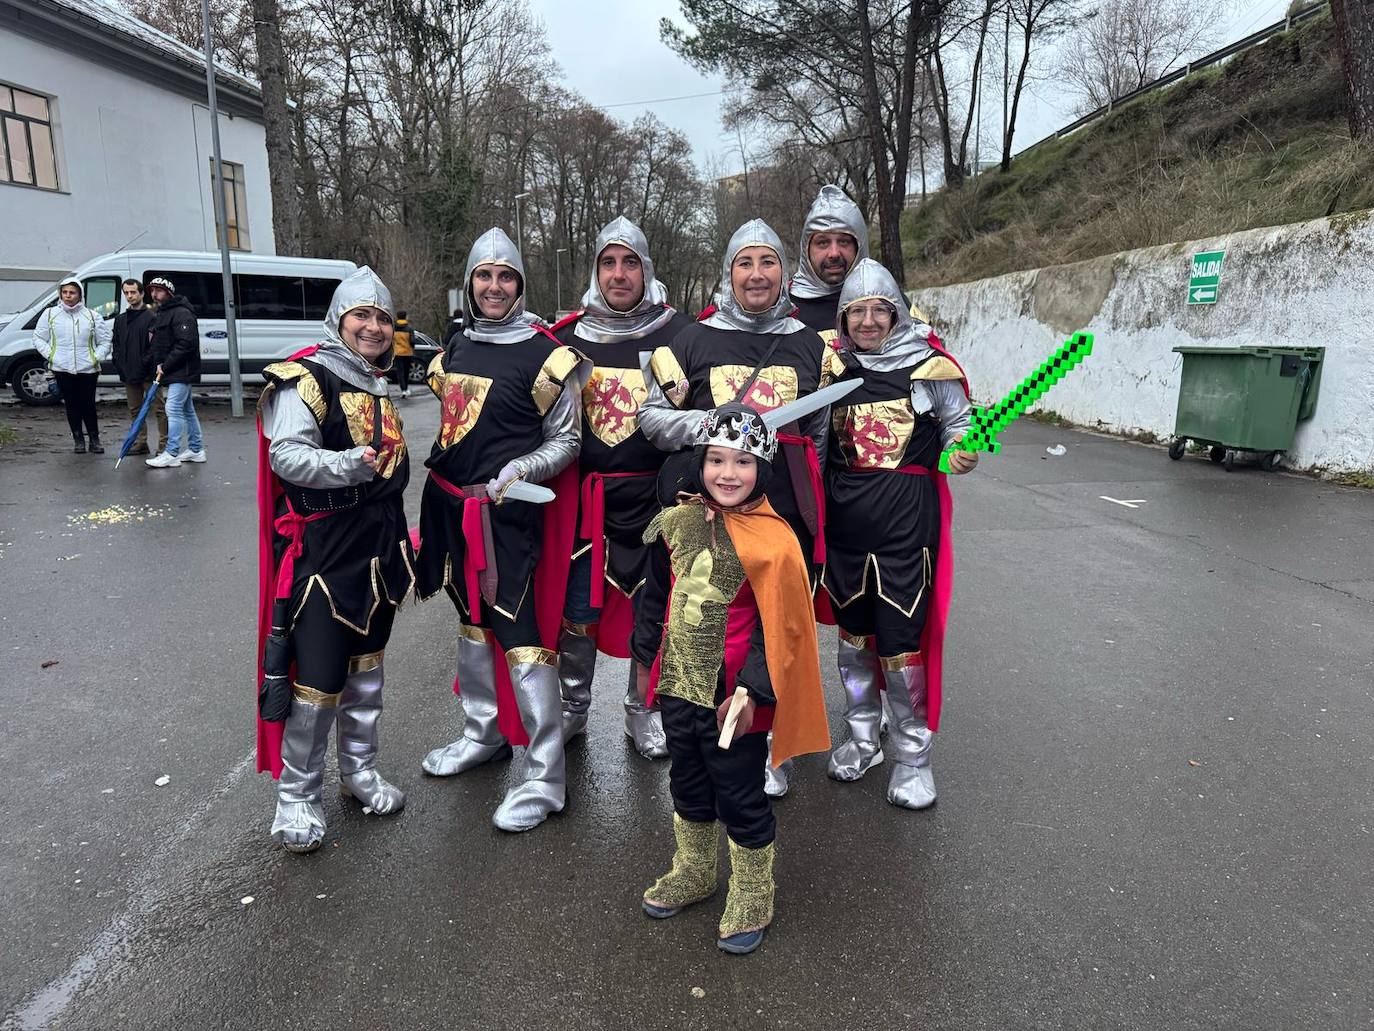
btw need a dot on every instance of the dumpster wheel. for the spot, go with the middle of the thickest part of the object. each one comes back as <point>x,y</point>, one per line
<point>1271,461</point>
<point>1217,454</point>
<point>1229,462</point>
<point>1177,448</point>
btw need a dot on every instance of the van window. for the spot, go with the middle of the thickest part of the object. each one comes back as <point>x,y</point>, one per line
<point>270,297</point>
<point>318,294</point>
<point>102,296</point>
<point>204,291</point>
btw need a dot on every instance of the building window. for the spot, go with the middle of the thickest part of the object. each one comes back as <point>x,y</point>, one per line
<point>27,157</point>
<point>235,205</point>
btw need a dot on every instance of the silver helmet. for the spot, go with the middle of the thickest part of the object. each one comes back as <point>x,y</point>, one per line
<point>831,212</point>
<point>495,248</point>
<point>730,313</point>
<point>603,324</point>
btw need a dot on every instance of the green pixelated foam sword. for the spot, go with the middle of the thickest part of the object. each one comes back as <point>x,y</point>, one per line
<point>988,423</point>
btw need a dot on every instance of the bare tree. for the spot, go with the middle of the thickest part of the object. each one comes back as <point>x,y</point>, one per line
<point>231,26</point>
<point>281,163</point>
<point>1037,23</point>
<point>1126,43</point>
<point>1355,34</point>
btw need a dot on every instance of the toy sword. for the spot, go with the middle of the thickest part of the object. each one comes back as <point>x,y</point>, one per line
<point>519,490</point>
<point>988,423</point>
<point>812,402</point>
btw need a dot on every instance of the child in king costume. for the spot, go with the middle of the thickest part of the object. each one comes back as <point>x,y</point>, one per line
<point>727,604</point>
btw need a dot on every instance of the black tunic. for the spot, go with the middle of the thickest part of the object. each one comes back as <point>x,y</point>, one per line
<point>879,517</point>
<point>716,363</point>
<point>360,554</point>
<point>819,313</point>
<point>493,399</point>
<point>613,443</point>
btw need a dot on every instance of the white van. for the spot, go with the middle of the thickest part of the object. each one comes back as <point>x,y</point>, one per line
<point>281,303</point>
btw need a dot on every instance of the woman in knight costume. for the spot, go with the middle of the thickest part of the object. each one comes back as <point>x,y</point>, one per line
<point>750,349</point>
<point>727,611</point>
<point>624,313</point>
<point>335,559</point>
<point>888,550</point>
<point>510,413</point>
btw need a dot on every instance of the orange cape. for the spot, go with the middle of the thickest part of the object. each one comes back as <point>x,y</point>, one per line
<point>778,577</point>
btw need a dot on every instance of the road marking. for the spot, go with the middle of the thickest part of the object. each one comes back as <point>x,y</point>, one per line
<point>47,1004</point>
<point>1131,503</point>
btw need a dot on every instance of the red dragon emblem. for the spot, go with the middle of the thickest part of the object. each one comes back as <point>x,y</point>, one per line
<point>774,386</point>
<point>611,401</point>
<point>875,435</point>
<point>460,406</point>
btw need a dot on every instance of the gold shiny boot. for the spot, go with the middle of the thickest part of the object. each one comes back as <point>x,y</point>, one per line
<point>693,876</point>
<point>749,902</point>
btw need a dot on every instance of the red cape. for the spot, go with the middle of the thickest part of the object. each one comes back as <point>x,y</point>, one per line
<point>269,493</point>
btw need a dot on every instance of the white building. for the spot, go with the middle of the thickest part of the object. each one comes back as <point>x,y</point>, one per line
<point>105,143</point>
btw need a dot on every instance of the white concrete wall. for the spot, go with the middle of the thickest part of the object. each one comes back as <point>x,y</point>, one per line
<point>132,157</point>
<point>1296,285</point>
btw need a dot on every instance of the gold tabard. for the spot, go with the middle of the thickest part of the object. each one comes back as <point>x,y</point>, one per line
<point>611,401</point>
<point>875,434</point>
<point>775,386</point>
<point>461,397</point>
<point>358,408</point>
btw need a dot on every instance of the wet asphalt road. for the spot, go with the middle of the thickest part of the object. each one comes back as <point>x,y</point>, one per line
<point>1155,777</point>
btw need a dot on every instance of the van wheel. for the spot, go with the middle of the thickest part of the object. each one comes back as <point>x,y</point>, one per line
<point>30,382</point>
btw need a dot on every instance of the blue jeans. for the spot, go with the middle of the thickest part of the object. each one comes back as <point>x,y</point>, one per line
<point>181,418</point>
<point>578,607</point>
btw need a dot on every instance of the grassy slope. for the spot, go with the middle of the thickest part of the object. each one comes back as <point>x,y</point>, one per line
<point>1260,141</point>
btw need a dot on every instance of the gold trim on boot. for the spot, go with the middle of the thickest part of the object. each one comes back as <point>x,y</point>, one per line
<point>693,876</point>
<point>749,902</point>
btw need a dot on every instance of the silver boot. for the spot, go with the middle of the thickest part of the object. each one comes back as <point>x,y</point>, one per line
<point>543,786</point>
<point>858,665</point>
<point>576,665</point>
<point>776,782</point>
<point>299,824</point>
<point>360,709</point>
<point>911,783</point>
<point>482,740</point>
<point>643,725</point>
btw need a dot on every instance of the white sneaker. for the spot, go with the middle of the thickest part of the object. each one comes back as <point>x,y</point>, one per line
<point>164,461</point>
<point>191,456</point>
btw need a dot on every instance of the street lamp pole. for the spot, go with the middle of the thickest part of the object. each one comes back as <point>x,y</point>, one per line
<point>519,236</point>
<point>558,278</point>
<point>221,223</point>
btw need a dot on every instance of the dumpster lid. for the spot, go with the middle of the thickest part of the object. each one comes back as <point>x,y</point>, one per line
<point>1265,351</point>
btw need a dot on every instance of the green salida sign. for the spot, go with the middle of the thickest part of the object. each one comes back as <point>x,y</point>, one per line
<point>1205,280</point>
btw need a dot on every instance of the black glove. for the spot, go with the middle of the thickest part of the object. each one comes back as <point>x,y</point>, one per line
<point>274,693</point>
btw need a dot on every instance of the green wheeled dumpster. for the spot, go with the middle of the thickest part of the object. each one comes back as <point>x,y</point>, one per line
<point>1245,399</point>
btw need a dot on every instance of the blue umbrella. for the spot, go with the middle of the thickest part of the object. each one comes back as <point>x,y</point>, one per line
<point>132,435</point>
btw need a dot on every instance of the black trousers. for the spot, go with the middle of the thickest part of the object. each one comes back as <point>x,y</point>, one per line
<point>402,363</point>
<point>323,646</point>
<point>713,783</point>
<point>78,397</point>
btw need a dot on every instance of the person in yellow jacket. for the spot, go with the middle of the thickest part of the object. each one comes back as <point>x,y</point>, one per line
<point>405,352</point>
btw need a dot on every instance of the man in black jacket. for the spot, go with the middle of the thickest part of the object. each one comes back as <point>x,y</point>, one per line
<point>131,361</point>
<point>174,338</point>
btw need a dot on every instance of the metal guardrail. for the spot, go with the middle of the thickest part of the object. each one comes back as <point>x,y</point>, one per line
<point>1178,73</point>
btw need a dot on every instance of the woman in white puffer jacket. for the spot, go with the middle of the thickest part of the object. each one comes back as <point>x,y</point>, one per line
<point>73,340</point>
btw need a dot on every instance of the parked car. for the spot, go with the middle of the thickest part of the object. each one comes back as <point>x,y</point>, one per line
<point>280,303</point>
<point>426,347</point>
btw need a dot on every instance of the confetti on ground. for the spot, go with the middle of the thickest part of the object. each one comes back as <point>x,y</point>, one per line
<point>247,900</point>
<point>163,781</point>
<point>50,663</point>
<point>698,993</point>
<point>322,896</point>
<point>118,514</point>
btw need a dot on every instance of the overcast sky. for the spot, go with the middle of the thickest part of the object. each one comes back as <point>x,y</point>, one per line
<point>619,63</point>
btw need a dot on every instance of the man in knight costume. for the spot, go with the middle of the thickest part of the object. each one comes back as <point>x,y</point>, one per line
<point>889,554</point>
<point>834,237</point>
<point>510,415</point>
<point>751,350</point>
<point>624,314</point>
<point>335,559</point>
